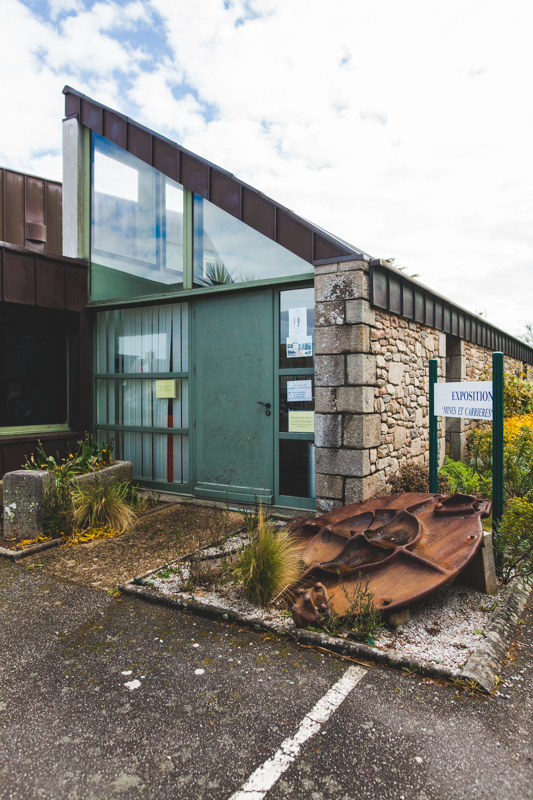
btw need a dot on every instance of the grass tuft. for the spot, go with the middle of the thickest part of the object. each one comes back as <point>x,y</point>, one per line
<point>102,504</point>
<point>270,564</point>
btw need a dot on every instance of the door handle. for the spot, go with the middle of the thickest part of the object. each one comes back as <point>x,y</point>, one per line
<point>266,405</point>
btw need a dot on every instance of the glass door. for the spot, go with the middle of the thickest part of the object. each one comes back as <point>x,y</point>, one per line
<point>295,476</point>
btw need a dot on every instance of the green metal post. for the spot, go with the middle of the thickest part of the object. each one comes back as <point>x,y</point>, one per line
<point>433,440</point>
<point>497,437</point>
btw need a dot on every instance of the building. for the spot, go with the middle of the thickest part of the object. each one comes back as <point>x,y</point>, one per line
<point>238,351</point>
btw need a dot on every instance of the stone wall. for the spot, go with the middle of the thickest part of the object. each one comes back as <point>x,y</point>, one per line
<point>372,387</point>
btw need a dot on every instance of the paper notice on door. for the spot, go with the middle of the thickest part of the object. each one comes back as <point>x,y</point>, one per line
<point>299,390</point>
<point>165,389</point>
<point>297,323</point>
<point>300,348</point>
<point>301,421</point>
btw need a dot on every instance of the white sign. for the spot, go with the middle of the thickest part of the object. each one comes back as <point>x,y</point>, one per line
<point>297,323</point>
<point>299,390</point>
<point>472,400</point>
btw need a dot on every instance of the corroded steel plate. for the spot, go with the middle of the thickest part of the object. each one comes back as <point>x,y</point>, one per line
<point>404,545</point>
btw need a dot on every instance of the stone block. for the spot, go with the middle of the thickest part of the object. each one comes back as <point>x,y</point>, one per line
<point>355,399</point>
<point>330,370</point>
<point>353,463</point>
<point>330,313</point>
<point>327,505</point>
<point>416,446</point>
<point>345,286</point>
<point>481,572</point>
<point>400,436</point>
<point>23,503</point>
<point>358,489</point>
<point>328,430</point>
<point>119,472</point>
<point>362,430</point>
<point>342,339</point>
<point>1,494</point>
<point>329,486</point>
<point>396,371</point>
<point>360,312</point>
<point>326,269</point>
<point>361,369</point>
<point>325,402</point>
<point>359,263</point>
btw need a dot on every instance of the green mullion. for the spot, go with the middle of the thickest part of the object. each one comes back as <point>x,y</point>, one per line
<point>297,371</point>
<point>141,429</point>
<point>276,401</point>
<point>153,299</point>
<point>188,238</point>
<point>139,376</point>
<point>310,437</point>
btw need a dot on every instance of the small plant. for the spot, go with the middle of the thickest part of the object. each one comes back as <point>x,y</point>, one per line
<point>87,457</point>
<point>270,564</point>
<point>414,478</point>
<point>102,504</point>
<point>462,478</point>
<point>58,509</point>
<point>251,518</point>
<point>513,541</point>
<point>362,619</point>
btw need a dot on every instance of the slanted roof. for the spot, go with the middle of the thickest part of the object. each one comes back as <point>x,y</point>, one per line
<point>220,187</point>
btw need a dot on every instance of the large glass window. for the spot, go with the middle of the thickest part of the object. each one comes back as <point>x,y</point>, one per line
<point>137,226</point>
<point>228,251</point>
<point>296,393</point>
<point>33,369</point>
<point>142,393</point>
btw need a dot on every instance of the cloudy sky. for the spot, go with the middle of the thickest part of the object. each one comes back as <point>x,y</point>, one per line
<point>404,127</point>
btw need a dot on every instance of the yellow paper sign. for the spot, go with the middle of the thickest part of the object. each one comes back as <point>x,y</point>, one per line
<point>301,421</point>
<point>165,389</point>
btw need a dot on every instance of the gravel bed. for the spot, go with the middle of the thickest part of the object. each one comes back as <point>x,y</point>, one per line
<point>444,629</point>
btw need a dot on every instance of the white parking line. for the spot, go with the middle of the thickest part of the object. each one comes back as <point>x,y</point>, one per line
<point>268,773</point>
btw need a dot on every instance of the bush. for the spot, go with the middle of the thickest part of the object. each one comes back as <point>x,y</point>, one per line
<point>517,460</point>
<point>462,478</point>
<point>270,564</point>
<point>58,510</point>
<point>414,478</point>
<point>102,504</point>
<point>513,541</point>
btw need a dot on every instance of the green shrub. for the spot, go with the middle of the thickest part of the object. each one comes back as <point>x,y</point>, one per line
<point>270,564</point>
<point>463,478</point>
<point>414,478</point>
<point>58,510</point>
<point>517,460</point>
<point>513,541</point>
<point>102,504</point>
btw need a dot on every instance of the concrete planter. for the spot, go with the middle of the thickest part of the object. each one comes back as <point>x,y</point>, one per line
<point>23,494</point>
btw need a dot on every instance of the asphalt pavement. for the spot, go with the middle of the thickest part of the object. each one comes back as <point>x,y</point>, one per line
<point>112,697</point>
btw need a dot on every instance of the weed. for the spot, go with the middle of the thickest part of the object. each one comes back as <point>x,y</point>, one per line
<point>89,456</point>
<point>102,504</point>
<point>410,670</point>
<point>58,509</point>
<point>251,518</point>
<point>269,564</point>
<point>362,619</point>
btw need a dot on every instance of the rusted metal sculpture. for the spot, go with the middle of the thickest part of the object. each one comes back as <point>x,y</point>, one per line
<point>405,546</point>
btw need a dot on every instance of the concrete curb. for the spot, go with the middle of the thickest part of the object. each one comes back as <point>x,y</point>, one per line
<point>481,668</point>
<point>15,555</point>
<point>485,662</point>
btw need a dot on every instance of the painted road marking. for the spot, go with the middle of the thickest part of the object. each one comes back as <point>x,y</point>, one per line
<point>265,776</point>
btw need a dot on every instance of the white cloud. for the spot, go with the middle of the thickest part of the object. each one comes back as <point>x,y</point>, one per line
<point>404,128</point>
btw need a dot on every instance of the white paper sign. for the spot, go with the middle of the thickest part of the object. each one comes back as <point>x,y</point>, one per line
<point>300,348</point>
<point>472,400</point>
<point>299,390</point>
<point>297,323</point>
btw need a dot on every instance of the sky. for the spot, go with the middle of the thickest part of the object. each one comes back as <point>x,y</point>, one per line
<point>405,128</point>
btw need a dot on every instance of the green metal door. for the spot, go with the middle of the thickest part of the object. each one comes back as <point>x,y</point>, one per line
<point>233,345</point>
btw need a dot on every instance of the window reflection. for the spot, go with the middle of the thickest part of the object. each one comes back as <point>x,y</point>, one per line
<point>228,251</point>
<point>137,226</point>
